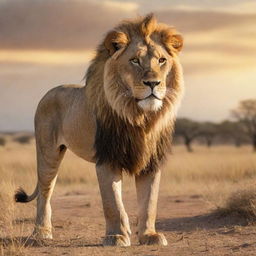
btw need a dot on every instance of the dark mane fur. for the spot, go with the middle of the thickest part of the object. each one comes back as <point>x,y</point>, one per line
<point>122,146</point>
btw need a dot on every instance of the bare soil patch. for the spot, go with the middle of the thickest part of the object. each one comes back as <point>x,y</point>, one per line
<point>187,222</point>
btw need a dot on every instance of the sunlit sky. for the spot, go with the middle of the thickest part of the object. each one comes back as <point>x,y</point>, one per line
<point>44,43</point>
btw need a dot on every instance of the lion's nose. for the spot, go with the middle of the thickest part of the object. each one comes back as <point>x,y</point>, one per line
<point>151,84</point>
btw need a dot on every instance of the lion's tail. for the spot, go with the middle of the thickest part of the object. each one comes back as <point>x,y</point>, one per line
<point>22,197</point>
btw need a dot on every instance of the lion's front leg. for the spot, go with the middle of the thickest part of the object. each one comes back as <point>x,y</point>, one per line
<point>147,186</point>
<point>117,224</point>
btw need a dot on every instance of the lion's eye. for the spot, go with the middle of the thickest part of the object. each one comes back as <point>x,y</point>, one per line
<point>162,60</point>
<point>135,61</point>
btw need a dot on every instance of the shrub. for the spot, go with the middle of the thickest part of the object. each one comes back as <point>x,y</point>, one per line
<point>2,141</point>
<point>242,203</point>
<point>23,139</point>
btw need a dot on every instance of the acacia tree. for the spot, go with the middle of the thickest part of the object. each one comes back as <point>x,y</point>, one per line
<point>245,113</point>
<point>208,131</point>
<point>187,129</point>
<point>232,130</point>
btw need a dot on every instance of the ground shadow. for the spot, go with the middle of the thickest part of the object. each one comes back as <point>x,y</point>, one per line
<point>23,221</point>
<point>21,241</point>
<point>209,221</point>
<point>32,242</point>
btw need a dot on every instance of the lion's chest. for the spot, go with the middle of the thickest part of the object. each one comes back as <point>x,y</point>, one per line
<point>127,148</point>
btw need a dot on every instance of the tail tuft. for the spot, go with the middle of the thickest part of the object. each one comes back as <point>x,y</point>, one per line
<point>21,196</point>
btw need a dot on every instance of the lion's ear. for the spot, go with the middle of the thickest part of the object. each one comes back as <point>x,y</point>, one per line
<point>115,41</point>
<point>172,40</point>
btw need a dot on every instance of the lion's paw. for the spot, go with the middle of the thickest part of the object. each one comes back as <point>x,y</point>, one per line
<point>116,240</point>
<point>151,239</point>
<point>42,233</point>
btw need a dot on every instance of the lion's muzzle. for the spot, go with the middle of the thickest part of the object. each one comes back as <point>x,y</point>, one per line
<point>151,84</point>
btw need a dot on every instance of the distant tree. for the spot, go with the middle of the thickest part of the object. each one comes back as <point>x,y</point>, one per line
<point>232,130</point>
<point>189,130</point>
<point>209,131</point>
<point>245,114</point>
<point>23,139</point>
<point>2,141</point>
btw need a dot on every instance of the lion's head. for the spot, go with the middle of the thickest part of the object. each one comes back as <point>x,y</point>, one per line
<point>139,71</point>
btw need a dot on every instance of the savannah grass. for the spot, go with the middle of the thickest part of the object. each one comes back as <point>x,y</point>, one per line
<point>222,175</point>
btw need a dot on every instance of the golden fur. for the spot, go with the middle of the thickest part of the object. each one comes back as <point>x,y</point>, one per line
<point>122,120</point>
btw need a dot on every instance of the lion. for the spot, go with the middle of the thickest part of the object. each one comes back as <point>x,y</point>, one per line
<point>121,120</point>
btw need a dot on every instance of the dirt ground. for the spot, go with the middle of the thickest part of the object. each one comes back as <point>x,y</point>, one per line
<point>187,222</point>
<point>192,187</point>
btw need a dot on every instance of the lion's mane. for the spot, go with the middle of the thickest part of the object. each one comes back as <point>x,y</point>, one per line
<point>127,137</point>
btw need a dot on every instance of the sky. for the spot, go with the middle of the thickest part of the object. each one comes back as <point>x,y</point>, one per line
<point>45,43</point>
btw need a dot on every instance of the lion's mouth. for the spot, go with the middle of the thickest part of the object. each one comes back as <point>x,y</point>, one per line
<point>152,95</point>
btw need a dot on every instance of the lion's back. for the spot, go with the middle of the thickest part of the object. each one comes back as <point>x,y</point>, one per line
<point>54,106</point>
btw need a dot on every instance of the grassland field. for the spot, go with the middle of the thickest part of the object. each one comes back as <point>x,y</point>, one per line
<point>210,175</point>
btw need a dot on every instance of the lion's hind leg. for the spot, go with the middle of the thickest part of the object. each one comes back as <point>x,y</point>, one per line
<point>48,161</point>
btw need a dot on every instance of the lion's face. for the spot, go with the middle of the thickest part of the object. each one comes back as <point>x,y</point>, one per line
<point>139,71</point>
<point>143,71</point>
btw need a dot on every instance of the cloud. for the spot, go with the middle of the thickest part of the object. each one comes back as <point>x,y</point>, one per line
<point>80,25</point>
<point>245,7</point>
<point>194,21</point>
<point>122,6</point>
<point>45,57</point>
<point>227,6</point>
<point>54,24</point>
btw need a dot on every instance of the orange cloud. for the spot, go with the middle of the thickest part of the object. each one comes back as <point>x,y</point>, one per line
<point>45,57</point>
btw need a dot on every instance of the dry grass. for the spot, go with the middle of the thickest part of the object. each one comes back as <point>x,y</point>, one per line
<point>211,172</point>
<point>241,203</point>
<point>12,236</point>
<point>214,173</point>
